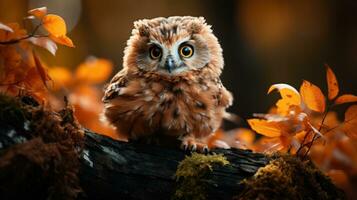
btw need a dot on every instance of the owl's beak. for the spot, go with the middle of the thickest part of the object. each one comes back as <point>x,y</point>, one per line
<point>170,64</point>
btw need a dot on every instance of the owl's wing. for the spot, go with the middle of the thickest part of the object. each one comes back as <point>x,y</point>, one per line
<point>224,97</point>
<point>116,84</point>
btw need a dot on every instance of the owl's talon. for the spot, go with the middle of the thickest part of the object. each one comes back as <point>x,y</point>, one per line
<point>185,147</point>
<point>191,144</point>
<point>205,149</point>
<point>193,148</point>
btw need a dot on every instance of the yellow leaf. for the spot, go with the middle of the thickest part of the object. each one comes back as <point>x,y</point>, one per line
<point>94,71</point>
<point>264,127</point>
<point>55,25</point>
<point>38,12</point>
<point>312,96</point>
<point>62,39</point>
<point>332,83</point>
<point>350,123</point>
<point>287,92</point>
<point>289,96</point>
<point>346,98</point>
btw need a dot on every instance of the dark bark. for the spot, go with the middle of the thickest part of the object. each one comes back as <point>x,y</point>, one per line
<point>119,170</point>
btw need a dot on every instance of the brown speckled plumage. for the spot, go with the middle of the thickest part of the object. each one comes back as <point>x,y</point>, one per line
<point>189,102</point>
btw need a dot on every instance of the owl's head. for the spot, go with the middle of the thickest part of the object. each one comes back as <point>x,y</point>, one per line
<point>173,46</point>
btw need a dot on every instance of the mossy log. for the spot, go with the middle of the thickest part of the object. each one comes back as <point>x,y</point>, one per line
<point>139,171</point>
<point>47,155</point>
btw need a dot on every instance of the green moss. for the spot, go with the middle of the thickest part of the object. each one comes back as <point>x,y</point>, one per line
<point>190,174</point>
<point>287,177</point>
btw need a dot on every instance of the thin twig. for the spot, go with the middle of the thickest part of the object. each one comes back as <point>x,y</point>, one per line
<point>316,136</point>
<point>303,142</point>
<point>14,41</point>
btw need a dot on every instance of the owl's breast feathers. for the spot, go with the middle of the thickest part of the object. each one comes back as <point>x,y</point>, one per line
<point>143,104</point>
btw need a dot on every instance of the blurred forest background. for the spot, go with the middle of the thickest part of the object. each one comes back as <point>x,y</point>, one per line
<point>264,42</point>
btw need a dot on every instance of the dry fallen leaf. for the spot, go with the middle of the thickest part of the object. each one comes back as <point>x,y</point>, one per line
<point>312,96</point>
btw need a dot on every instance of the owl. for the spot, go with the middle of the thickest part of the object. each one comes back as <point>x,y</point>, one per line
<point>170,84</point>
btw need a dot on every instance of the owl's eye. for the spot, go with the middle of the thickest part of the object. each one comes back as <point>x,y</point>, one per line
<point>186,51</point>
<point>155,52</point>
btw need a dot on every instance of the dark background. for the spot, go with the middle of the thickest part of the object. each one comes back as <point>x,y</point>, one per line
<point>264,42</point>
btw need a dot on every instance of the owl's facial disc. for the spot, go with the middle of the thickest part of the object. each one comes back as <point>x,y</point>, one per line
<point>173,57</point>
<point>170,64</point>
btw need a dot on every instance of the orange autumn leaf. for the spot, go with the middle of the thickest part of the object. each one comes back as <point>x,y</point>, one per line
<point>94,71</point>
<point>346,98</point>
<point>268,145</point>
<point>54,24</point>
<point>350,123</point>
<point>245,135</point>
<point>62,39</point>
<point>61,77</point>
<point>289,96</point>
<point>42,71</point>
<point>312,96</point>
<point>332,83</point>
<point>5,27</point>
<point>214,139</point>
<point>287,92</point>
<point>33,84</point>
<point>244,138</point>
<point>38,12</point>
<point>339,177</point>
<point>15,33</point>
<point>264,127</point>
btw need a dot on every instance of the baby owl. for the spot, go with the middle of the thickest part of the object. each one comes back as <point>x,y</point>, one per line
<point>169,85</point>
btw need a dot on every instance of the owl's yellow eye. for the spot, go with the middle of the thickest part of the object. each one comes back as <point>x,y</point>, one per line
<point>155,52</point>
<point>186,51</point>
